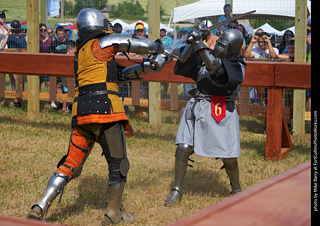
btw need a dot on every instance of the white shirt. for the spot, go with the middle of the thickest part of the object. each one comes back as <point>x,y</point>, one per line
<point>3,34</point>
<point>260,53</point>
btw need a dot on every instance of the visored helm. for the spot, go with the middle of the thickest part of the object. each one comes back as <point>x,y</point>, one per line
<point>91,19</point>
<point>229,43</point>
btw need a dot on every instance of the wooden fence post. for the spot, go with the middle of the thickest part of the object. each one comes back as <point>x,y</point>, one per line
<point>154,87</point>
<point>33,47</point>
<point>299,97</point>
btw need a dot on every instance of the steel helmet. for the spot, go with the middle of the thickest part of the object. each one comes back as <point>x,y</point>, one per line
<point>229,43</point>
<point>91,19</point>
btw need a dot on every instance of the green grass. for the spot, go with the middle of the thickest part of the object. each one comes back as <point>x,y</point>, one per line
<point>31,147</point>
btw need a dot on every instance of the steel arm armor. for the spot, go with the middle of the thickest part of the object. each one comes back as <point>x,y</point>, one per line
<point>213,65</point>
<point>135,71</point>
<point>186,53</point>
<point>127,43</point>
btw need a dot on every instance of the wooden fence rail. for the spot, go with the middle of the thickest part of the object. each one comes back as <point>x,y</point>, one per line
<point>276,76</point>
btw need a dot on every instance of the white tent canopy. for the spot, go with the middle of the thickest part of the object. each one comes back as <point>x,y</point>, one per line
<point>123,24</point>
<point>205,8</point>
<point>269,29</point>
<point>293,29</point>
<point>130,27</point>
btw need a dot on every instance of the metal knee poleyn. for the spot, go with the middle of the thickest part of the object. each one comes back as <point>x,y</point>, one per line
<point>183,152</point>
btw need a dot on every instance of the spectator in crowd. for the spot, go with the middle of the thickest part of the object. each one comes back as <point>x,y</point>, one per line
<point>5,32</point>
<point>118,28</point>
<point>246,37</point>
<point>51,35</point>
<point>264,48</point>
<point>44,44</point>
<point>59,46</point>
<point>227,15</point>
<point>140,30</point>
<point>308,92</point>
<point>16,40</point>
<point>288,52</point>
<point>182,32</point>
<point>167,41</point>
<point>308,32</point>
<point>287,36</point>
<point>68,35</point>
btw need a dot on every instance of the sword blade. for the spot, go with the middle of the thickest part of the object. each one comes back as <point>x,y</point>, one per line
<point>184,38</point>
<point>231,19</point>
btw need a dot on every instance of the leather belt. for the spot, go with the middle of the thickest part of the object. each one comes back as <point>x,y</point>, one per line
<point>95,93</point>
<point>200,96</point>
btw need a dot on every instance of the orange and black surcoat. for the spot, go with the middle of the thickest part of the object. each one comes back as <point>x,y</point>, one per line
<point>96,97</point>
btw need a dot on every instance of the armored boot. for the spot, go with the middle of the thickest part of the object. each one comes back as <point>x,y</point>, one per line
<point>113,213</point>
<point>231,166</point>
<point>181,162</point>
<point>55,186</point>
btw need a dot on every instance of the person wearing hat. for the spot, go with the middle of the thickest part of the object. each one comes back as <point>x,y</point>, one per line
<point>140,30</point>
<point>16,40</point>
<point>166,40</point>
<point>118,28</point>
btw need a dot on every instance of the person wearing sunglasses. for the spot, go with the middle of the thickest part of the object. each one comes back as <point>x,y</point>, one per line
<point>44,45</point>
<point>140,30</point>
<point>44,42</point>
<point>51,35</point>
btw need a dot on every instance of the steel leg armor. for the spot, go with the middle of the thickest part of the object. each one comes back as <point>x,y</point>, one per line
<point>181,162</point>
<point>113,213</point>
<point>232,169</point>
<point>55,186</point>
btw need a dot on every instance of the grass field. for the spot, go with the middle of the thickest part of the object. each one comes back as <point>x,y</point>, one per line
<point>31,147</point>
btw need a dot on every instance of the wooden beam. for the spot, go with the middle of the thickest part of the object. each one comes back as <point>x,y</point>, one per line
<point>33,47</point>
<point>154,87</point>
<point>299,97</point>
<point>295,75</point>
<point>289,76</point>
<point>285,197</point>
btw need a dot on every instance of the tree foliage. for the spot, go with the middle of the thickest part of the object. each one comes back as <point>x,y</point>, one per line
<point>127,10</point>
<point>96,4</point>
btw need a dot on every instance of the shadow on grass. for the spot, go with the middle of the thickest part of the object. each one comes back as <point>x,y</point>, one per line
<point>93,190</point>
<point>252,124</point>
<point>154,135</point>
<point>201,182</point>
<point>44,125</point>
<point>92,193</point>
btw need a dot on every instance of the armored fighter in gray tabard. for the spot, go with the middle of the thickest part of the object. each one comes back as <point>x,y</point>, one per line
<point>210,124</point>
